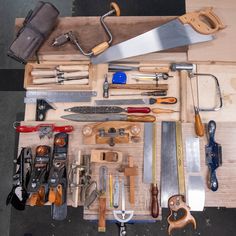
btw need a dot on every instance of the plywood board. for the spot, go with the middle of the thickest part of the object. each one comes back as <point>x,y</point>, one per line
<point>222,48</point>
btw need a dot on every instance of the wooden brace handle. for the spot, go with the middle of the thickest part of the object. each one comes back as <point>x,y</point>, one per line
<point>100,48</point>
<point>204,21</point>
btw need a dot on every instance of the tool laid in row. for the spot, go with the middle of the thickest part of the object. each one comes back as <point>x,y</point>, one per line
<point>61,80</point>
<point>112,117</point>
<point>151,77</point>
<point>107,109</point>
<point>151,93</point>
<point>143,68</point>
<point>184,30</point>
<point>149,101</point>
<point>150,165</point>
<point>70,36</point>
<point>59,96</point>
<point>158,87</point>
<point>213,156</point>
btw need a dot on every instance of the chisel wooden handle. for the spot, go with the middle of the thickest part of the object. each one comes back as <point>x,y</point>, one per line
<point>155,204</point>
<point>161,110</point>
<point>75,74</point>
<point>138,110</point>
<point>76,81</point>
<point>45,80</point>
<point>154,69</point>
<point>147,118</point>
<point>102,214</point>
<point>72,68</point>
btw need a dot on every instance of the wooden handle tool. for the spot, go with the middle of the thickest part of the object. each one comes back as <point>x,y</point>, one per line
<point>147,118</point>
<point>102,214</point>
<point>199,127</point>
<point>154,69</point>
<point>161,110</point>
<point>154,204</point>
<point>165,100</point>
<point>68,68</point>
<point>140,86</point>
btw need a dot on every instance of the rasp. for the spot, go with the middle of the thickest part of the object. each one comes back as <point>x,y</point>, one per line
<point>191,28</point>
<point>110,117</point>
<point>107,109</point>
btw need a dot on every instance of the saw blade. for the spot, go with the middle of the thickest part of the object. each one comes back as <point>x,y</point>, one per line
<point>170,35</point>
<point>169,175</point>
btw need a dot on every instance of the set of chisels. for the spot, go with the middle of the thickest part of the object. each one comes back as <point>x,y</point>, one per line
<point>118,157</point>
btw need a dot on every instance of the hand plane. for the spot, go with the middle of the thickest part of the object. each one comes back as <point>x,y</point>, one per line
<point>213,156</point>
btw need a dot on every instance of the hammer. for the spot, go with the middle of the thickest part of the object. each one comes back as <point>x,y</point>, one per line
<point>185,71</point>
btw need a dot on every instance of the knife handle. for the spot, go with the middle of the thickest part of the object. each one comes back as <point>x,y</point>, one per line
<point>155,205</point>
<point>204,21</point>
<point>102,214</point>
<point>147,118</point>
<point>138,110</point>
<point>165,100</point>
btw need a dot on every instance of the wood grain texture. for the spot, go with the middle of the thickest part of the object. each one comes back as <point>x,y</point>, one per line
<point>222,48</point>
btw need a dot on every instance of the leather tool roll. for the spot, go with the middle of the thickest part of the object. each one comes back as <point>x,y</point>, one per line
<point>37,26</point>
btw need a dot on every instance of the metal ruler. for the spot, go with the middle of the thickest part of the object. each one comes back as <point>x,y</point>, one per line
<point>169,175</point>
<point>59,96</point>
<point>180,158</point>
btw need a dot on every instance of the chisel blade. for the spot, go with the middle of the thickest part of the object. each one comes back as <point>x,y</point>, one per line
<point>170,35</point>
<point>169,175</point>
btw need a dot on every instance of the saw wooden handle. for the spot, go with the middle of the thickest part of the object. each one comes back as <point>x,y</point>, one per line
<point>102,214</point>
<point>176,203</point>
<point>199,128</point>
<point>155,204</point>
<point>204,21</point>
<point>147,118</point>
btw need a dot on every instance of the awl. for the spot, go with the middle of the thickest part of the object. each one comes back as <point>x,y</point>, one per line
<point>113,117</point>
<point>191,28</point>
<point>148,101</point>
<point>107,109</point>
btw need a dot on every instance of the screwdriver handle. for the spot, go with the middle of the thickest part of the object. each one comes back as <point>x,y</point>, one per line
<point>155,204</point>
<point>147,118</point>
<point>199,128</point>
<point>161,110</point>
<point>165,100</point>
<point>138,110</point>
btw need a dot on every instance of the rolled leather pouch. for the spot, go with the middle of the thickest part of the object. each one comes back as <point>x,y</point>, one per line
<point>37,26</point>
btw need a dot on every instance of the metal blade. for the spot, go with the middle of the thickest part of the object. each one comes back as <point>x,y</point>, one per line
<point>121,102</point>
<point>147,165</point>
<point>95,109</point>
<point>170,35</point>
<point>169,175</point>
<point>95,118</point>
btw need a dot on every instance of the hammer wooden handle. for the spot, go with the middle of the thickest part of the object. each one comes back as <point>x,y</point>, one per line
<point>102,214</point>
<point>154,69</point>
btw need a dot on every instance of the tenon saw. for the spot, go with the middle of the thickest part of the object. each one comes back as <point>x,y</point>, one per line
<point>191,28</point>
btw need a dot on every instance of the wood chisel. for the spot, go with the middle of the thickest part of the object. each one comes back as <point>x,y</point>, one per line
<point>107,109</point>
<point>110,117</point>
<point>148,101</point>
<point>184,30</point>
<point>151,69</point>
<point>149,177</point>
<point>103,171</point>
<point>61,80</point>
<point>55,73</point>
<point>59,96</point>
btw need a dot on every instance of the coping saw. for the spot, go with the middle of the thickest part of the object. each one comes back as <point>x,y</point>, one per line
<point>194,27</point>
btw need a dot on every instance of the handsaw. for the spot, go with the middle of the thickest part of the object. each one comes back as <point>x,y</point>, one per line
<point>191,28</point>
<point>173,185</point>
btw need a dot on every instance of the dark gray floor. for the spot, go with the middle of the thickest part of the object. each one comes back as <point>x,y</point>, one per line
<point>36,220</point>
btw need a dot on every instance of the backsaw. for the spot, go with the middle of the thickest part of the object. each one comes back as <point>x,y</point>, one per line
<point>191,28</point>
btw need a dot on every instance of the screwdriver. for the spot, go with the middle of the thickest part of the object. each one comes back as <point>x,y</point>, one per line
<point>153,93</point>
<point>165,100</point>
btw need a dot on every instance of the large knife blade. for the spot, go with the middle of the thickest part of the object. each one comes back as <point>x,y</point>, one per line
<point>110,117</point>
<point>185,30</point>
